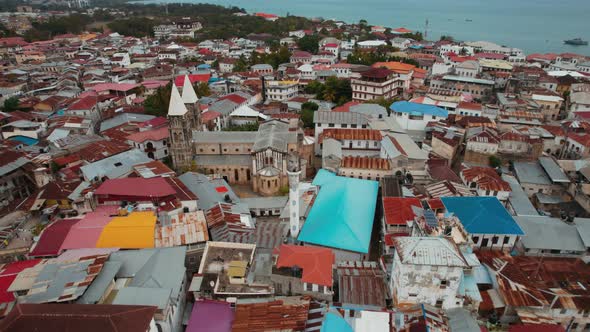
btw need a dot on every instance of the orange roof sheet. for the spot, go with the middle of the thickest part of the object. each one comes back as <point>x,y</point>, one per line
<point>316,262</point>
<point>134,231</point>
<point>398,67</point>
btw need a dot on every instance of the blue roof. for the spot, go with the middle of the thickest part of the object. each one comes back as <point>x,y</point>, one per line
<point>482,215</point>
<point>24,139</point>
<point>342,214</point>
<point>415,108</point>
<point>335,323</point>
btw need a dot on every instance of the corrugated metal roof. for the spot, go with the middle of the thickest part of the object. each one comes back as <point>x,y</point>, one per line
<point>554,171</point>
<point>434,251</point>
<point>482,215</point>
<point>343,213</point>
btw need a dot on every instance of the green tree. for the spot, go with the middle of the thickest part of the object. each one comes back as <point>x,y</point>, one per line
<point>307,110</point>
<point>11,104</point>
<point>309,44</point>
<point>494,161</point>
<point>202,89</point>
<point>157,103</point>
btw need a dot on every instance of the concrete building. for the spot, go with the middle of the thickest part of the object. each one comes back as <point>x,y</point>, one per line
<point>429,270</point>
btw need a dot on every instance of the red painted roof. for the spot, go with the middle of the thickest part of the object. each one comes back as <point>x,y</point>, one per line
<point>179,80</point>
<point>139,187</point>
<point>235,98</point>
<point>398,210</point>
<point>346,107</point>
<point>331,45</point>
<point>435,204</point>
<point>9,273</point>
<point>316,262</point>
<point>53,237</point>
<point>469,106</point>
<point>157,134</point>
<point>85,103</point>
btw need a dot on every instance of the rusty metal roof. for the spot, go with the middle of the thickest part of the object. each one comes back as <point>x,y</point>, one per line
<point>365,163</point>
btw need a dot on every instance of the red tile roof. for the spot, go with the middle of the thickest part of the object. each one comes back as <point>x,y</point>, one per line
<point>486,178</point>
<point>371,163</point>
<point>398,210</point>
<point>137,187</point>
<point>351,134</point>
<point>316,262</point>
<point>402,30</point>
<point>157,134</point>
<point>469,106</point>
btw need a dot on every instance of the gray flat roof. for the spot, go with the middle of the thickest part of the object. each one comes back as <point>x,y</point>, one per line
<point>224,136</point>
<point>531,172</point>
<point>215,159</point>
<point>339,117</point>
<point>467,79</point>
<point>100,284</point>
<point>518,198</point>
<point>204,188</point>
<point>158,297</point>
<point>276,202</point>
<point>554,171</point>
<point>583,225</point>
<point>548,233</point>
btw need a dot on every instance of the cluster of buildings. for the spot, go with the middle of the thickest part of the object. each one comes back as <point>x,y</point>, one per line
<point>451,195</point>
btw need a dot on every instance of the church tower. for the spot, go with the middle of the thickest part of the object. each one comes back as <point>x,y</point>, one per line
<point>181,125</point>
<point>190,100</point>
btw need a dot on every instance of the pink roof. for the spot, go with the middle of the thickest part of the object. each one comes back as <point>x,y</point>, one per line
<point>179,80</point>
<point>86,232</point>
<point>52,238</point>
<point>137,187</point>
<point>265,15</point>
<point>209,115</point>
<point>331,45</point>
<point>157,134</point>
<point>154,123</point>
<point>122,87</point>
<point>154,84</point>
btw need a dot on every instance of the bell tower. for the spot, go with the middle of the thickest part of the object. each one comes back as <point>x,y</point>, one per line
<point>181,125</point>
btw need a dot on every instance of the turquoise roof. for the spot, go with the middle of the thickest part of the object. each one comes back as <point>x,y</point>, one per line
<point>418,109</point>
<point>335,323</point>
<point>342,214</point>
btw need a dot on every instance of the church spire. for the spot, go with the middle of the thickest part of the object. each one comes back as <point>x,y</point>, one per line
<point>189,96</point>
<point>176,106</point>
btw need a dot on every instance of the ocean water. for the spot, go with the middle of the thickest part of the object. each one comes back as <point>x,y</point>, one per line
<point>532,25</point>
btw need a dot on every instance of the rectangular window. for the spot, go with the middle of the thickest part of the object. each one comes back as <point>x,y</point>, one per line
<point>495,240</point>
<point>506,239</point>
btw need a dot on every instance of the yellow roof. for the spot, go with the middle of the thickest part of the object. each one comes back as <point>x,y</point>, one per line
<point>237,269</point>
<point>131,232</point>
<point>88,36</point>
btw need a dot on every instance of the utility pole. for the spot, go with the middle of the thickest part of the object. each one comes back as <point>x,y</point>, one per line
<point>426,29</point>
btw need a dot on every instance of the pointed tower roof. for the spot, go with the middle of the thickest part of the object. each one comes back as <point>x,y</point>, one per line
<point>189,96</point>
<point>176,106</point>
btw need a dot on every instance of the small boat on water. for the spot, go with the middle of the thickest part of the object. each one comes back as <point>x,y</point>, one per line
<point>468,20</point>
<point>576,42</point>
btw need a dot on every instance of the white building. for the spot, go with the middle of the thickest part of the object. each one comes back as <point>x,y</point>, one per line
<point>414,116</point>
<point>428,270</point>
<point>281,90</point>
